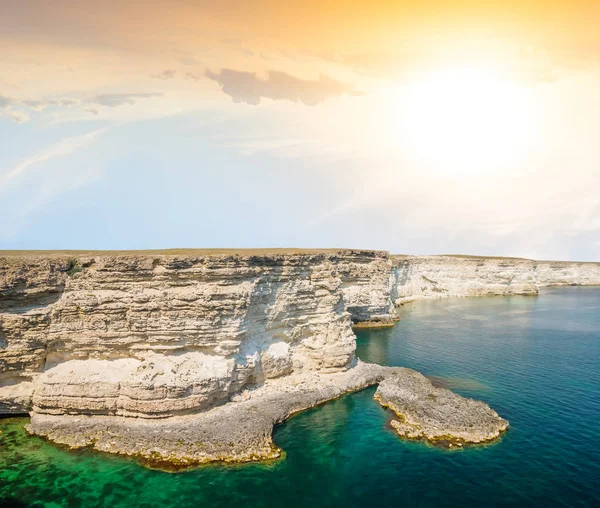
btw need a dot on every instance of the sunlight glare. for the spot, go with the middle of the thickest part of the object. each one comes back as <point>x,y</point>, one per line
<point>463,122</point>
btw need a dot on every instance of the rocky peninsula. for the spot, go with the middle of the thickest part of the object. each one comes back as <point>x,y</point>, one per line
<point>191,356</point>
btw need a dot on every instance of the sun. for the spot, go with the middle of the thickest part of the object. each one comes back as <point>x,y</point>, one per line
<point>463,122</point>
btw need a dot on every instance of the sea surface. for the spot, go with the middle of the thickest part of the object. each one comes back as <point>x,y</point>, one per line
<point>536,360</point>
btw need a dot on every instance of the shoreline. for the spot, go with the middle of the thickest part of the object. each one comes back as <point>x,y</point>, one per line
<point>241,431</point>
<point>237,432</point>
<point>109,349</point>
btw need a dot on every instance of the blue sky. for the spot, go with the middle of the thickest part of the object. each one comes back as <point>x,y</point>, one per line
<point>190,127</point>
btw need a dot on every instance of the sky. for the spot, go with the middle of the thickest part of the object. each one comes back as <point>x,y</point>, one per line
<point>417,127</point>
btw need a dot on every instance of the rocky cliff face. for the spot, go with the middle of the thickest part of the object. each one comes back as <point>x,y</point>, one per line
<point>113,341</point>
<point>367,290</point>
<point>159,335</point>
<point>154,336</point>
<point>415,277</point>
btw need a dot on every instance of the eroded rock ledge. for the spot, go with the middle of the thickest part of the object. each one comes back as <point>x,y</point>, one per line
<point>435,414</point>
<point>154,334</point>
<point>239,431</point>
<point>149,352</point>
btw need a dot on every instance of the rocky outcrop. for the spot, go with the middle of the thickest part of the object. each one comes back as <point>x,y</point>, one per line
<point>415,277</point>
<point>28,289</point>
<point>156,335</point>
<point>105,348</point>
<point>435,414</point>
<point>239,431</point>
<point>367,289</point>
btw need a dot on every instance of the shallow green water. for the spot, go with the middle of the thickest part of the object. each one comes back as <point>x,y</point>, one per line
<point>535,360</point>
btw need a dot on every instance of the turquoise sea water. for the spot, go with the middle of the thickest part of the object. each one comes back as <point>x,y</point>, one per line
<point>536,360</point>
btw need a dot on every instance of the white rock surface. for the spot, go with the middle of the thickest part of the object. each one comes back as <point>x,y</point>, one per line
<point>239,431</point>
<point>151,385</point>
<point>146,337</point>
<point>367,288</point>
<point>415,277</point>
<point>156,335</point>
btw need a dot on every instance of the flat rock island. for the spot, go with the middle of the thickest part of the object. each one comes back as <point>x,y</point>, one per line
<point>184,357</point>
<point>435,414</point>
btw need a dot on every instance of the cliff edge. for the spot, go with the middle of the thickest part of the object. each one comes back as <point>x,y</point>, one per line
<point>99,346</point>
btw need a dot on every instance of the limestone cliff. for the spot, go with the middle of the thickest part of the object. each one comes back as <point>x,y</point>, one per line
<point>157,335</point>
<point>101,346</point>
<point>367,290</point>
<point>415,277</point>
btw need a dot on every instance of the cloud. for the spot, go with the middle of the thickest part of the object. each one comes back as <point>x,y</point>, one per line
<point>120,99</point>
<point>34,104</point>
<point>63,102</point>
<point>192,76</point>
<point>165,74</point>
<point>62,148</point>
<point>109,100</point>
<point>249,88</point>
<point>6,102</point>
<point>39,105</point>
<point>41,178</point>
<point>18,116</point>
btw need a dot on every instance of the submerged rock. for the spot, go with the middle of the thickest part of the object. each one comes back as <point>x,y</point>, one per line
<point>436,414</point>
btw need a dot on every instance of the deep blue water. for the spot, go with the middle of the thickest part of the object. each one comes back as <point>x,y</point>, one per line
<point>536,360</point>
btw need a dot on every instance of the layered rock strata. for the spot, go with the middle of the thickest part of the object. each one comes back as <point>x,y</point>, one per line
<point>416,277</point>
<point>239,431</point>
<point>367,291</point>
<point>435,414</point>
<point>160,335</point>
<point>117,342</point>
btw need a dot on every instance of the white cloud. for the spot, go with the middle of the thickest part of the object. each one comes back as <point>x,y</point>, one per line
<point>6,102</point>
<point>18,116</point>
<point>119,99</point>
<point>63,102</point>
<point>35,104</point>
<point>60,149</point>
<point>31,185</point>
